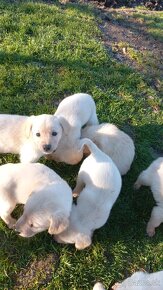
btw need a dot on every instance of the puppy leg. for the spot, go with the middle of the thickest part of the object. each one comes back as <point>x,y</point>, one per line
<point>8,220</point>
<point>28,154</point>
<point>82,241</point>
<point>93,119</point>
<point>143,179</point>
<point>5,212</point>
<point>155,220</point>
<point>79,186</point>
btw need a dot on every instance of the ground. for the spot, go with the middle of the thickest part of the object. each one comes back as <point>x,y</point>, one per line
<point>127,37</point>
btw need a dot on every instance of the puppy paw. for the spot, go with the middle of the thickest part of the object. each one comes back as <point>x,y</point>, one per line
<point>82,241</point>
<point>150,231</point>
<point>137,185</point>
<point>11,223</point>
<point>115,286</point>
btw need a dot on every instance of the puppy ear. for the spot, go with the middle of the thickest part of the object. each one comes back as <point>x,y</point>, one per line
<point>64,124</point>
<point>28,126</point>
<point>58,223</point>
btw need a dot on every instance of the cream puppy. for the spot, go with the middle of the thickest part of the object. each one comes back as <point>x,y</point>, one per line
<point>30,137</point>
<point>114,142</point>
<point>47,198</point>
<point>141,281</point>
<point>73,112</point>
<point>153,177</point>
<point>99,184</point>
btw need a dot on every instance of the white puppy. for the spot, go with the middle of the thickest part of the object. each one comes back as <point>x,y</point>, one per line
<point>99,184</point>
<point>73,112</point>
<point>153,177</point>
<point>31,137</point>
<point>114,142</point>
<point>47,198</point>
<point>141,281</point>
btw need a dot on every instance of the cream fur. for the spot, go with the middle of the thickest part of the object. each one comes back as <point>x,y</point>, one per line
<point>73,112</point>
<point>18,135</point>
<point>47,198</point>
<point>98,286</point>
<point>98,186</point>
<point>142,281</point>
<point>114,142</point>
<point>153,177</point>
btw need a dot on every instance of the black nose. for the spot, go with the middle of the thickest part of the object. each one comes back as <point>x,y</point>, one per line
<point>46,147</point>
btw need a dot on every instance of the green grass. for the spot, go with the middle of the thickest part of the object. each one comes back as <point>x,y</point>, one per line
<point>153,22</point>
<point>49,51</point>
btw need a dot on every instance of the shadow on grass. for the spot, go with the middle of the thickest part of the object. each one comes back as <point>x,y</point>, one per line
<point>130,42</point>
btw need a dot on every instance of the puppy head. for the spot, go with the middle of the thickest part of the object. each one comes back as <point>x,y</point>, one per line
<point>45,131</point>
<point>29,224</point>
<point>41,213</point>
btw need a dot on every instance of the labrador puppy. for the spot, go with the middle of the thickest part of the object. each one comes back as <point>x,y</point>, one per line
<point>141,281</point>
<point>153,177</point>
<point>30,137</point>
<point>113,142</point>
<point>47,198</point>
<point>138,281</point>
<point>98,186</point>
<point>73,113</point>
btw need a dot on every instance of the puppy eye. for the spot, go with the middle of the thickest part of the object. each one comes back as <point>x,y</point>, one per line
<point>54,133</point>
<point>38,134</point>
<point>31,225</point>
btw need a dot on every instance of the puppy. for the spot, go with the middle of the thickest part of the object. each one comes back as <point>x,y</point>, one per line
<point>99,184</point>
<point>114,142</point>
<point>141,281</point>
<point>30,137</point>
<point>73,113</point>
<point>47,198</point>
<point>153,177</point>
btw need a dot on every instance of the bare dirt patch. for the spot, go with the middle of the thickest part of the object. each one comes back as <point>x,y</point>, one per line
<point>127,39</point>
<point>37,273</point>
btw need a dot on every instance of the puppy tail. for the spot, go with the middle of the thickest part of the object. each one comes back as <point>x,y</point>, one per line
<point>86,145</point>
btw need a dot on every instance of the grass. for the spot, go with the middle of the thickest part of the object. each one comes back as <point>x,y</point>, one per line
<point>49,51</point>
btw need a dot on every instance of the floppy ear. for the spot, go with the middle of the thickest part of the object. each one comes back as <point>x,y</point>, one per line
<point>28,126</point>
<point>64,124</point>
<point>58,223</point>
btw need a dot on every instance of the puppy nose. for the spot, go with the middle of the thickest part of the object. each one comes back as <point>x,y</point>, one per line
<point>46,147</point>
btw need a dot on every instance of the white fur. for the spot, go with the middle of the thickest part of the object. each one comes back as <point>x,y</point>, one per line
<point>47,198</point>
<point>18,135</point>
<point>99,184</point>
<point>98,286</point>
<point>73,112</point>
<point>114,142</point>
<point>142,281</point>
<point>153,177</point>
